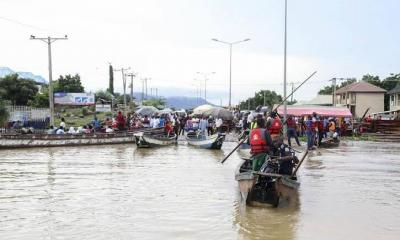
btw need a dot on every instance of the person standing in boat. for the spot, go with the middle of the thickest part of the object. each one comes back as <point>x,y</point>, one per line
<point>168,128</point>
<point>121,121</point>
<point>203,125</point>
<point>260,144</point>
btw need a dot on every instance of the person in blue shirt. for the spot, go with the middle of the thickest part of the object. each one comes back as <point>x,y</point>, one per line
<point>162,122</point>
<point>96,124</point>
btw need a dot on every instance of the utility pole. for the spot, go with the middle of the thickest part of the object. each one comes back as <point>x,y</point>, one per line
<point>132,75</point>
<point>333,80</point>
<point>123,83</point>
<point>49,41</point>
<point>156,93</point>
<point>284,75</point>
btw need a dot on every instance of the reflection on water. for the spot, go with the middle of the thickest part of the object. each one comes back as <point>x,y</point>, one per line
<point>180,192</point>
<point>265,222</point>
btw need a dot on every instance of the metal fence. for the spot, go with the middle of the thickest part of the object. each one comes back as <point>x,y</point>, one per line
<point>24,116</point>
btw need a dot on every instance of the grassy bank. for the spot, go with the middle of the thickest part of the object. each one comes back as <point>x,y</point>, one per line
<point>76,117</point>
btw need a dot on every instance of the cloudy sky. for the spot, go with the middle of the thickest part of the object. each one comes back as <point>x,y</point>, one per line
<point>170,40</point>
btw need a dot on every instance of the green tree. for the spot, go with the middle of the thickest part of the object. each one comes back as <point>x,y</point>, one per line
<point>374,80</point>
<point>271,98</point>
<point>3,113</point>
<point>103,95</point>
<point>111,81</point>
<point>18,90</point>
<point>328,90</point>
<point>68,83</point>
<point>40,100</point>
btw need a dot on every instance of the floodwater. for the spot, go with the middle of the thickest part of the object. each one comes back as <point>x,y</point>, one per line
<point>179,192</point>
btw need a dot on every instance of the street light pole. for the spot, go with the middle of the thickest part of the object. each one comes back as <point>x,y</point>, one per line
<point>230,64</point>
<point>284,75</point>
<point>49,41</point>
<point>205,75</point>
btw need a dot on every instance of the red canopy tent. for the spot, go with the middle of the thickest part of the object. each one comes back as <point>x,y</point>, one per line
<point>298,110</point>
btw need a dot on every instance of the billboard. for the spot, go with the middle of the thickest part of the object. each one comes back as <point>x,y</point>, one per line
<point>77,99</point>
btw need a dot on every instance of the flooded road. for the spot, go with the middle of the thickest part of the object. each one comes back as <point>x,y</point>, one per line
<point>179,192</point>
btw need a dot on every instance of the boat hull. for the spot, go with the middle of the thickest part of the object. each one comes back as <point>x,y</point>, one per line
<point>45,140</point>
<point>148,141</point>
<point>278,191</point>
<point>212,142</point>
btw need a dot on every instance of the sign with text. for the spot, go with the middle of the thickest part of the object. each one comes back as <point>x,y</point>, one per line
<point>103,107</point>
<point>78,99</point>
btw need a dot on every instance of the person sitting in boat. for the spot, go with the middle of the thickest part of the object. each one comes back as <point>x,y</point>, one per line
<point>51,130</point>
<point>168,128</point>
<point>60,130</point>
<point>71,130</point>
<point>96,124</point>
<point>261,144</point>
<point>109,129</point>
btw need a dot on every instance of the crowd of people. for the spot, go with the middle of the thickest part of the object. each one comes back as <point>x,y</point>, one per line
<point>314,127</point>
<point>173,123</point>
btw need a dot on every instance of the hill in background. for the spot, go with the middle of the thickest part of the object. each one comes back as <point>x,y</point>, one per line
<point>4,71</point>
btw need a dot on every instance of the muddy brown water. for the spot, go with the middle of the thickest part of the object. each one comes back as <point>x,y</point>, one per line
<point>180,192</point>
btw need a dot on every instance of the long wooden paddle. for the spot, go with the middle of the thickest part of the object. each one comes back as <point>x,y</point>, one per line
<point>240,143</point>
<point>298,165</point>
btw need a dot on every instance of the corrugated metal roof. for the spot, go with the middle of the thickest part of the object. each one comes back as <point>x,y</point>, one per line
<point>360,87</point>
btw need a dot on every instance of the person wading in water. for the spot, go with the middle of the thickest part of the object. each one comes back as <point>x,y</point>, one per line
<point>260,143</point>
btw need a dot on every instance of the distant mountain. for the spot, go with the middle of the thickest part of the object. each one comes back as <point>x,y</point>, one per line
<point>177,102</point>
<point>4,71</point>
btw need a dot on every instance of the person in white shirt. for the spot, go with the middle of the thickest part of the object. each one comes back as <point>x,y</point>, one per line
<point>218,124</point>
<point>156,122</point>
<point>71,130</point>
<point>151,122</point>
<point>62,123</point>
<point>51,130</point>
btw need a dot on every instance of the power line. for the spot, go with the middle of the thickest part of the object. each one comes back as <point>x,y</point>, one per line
<point>28,25</point>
